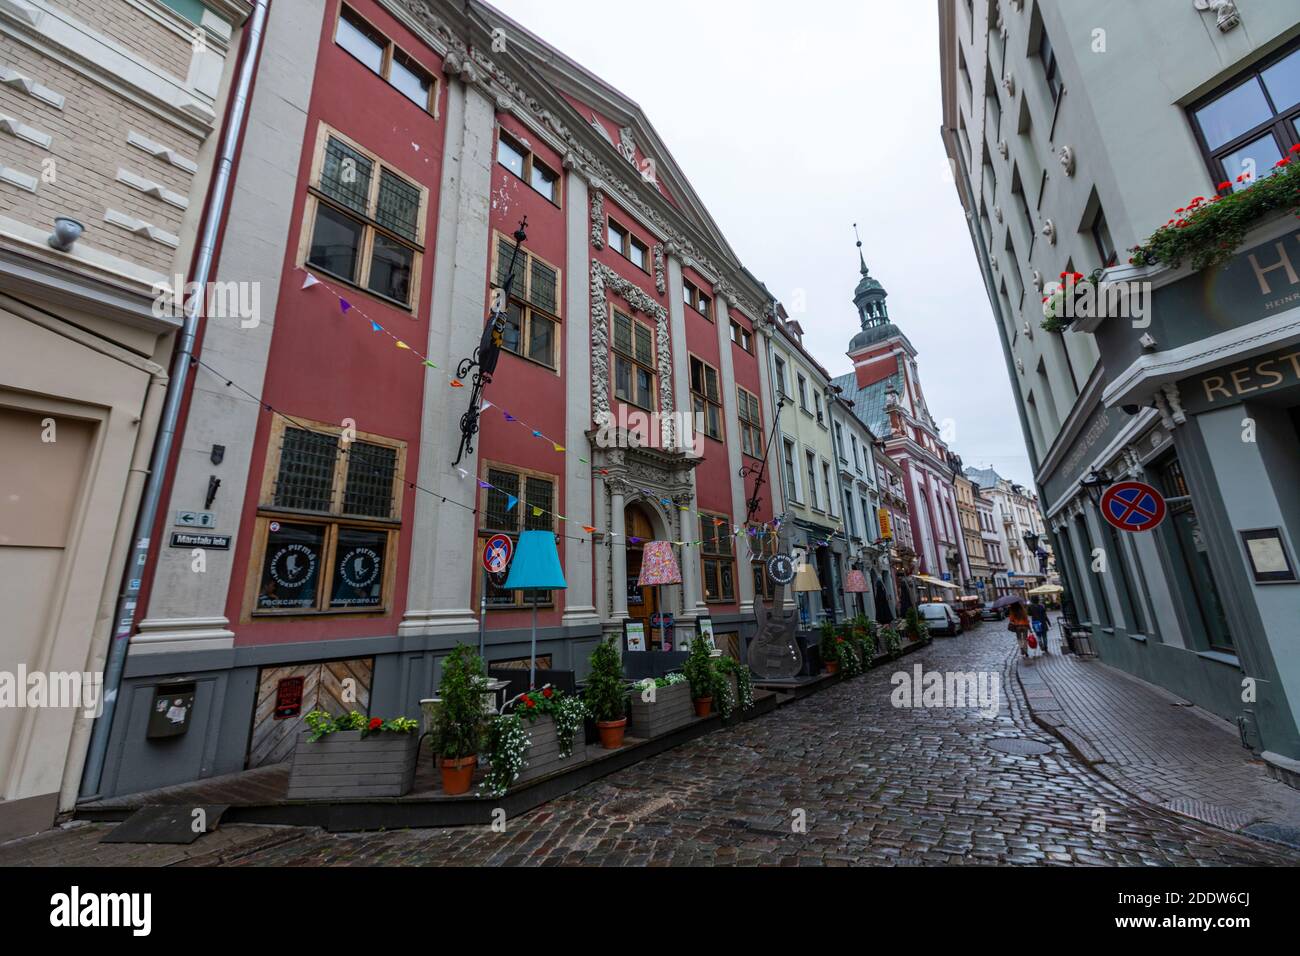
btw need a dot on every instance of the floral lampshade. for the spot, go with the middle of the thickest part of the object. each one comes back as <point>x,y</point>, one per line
<point>659,565</point>
<point>856,583</point>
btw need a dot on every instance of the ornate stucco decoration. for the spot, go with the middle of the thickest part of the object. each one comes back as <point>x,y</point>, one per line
<point>604,279</point>
<point>1018,5</point>
<point>597,218</point>
<point>1049,231</point>
<point>1028,330</point>
<point>1225,11</point>
<point>1038,280</point>
<point>1066,158</point>
<point>627,144</point>
<point>1020,366</point>
<point>997,213</point>
<point>1002,148</point>
<point>661,281</point>
<point>993,261</point>
<point>1009,84</point>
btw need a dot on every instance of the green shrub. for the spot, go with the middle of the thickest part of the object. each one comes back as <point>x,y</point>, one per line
<point>605,694</point>
<point>459,729</point>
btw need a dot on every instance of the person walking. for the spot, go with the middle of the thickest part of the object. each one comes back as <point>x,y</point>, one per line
<point>1018,622</point>
<point>1039,622</point>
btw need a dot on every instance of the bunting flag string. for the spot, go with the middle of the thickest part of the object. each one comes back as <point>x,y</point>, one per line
<point>511,500</point>
<point>346,307</point>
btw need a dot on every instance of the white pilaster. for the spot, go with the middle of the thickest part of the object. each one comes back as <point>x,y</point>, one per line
<point>187,610</point>
<point>692,590</point>
<point>579,601</point>
<point>442,546</point>
<point>731,414</point>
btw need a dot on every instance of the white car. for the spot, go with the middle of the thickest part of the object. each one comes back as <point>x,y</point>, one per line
<point>941,618</point>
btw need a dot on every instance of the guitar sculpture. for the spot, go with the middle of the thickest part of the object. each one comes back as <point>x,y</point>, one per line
<point>774,653</point>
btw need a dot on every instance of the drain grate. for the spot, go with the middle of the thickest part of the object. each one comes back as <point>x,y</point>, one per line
<point>1210,813</point>
<point>1019,746</point>
<point>633,809</point>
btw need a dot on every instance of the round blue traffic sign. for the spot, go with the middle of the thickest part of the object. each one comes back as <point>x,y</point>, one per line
<point>1133,506</point>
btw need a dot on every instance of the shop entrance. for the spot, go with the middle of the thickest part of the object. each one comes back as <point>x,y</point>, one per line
<point>642,603</point>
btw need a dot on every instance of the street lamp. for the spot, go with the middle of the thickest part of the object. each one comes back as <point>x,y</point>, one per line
<point>1095,483</point>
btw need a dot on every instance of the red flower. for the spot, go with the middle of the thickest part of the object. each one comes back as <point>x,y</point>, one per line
<point>1284,161</point>
<point>1227,185</point>
<point>376,723</point>
<point>530,702</point>
<point>547,693</point>
<point>1294,149</point>
<point>1180,209</point>
<point>839,640</point>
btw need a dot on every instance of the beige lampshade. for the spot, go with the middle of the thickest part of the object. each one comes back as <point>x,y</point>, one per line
<point>806,579</point>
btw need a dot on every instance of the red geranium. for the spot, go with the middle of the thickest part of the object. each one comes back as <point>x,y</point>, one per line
<point>547,693</point>
<point>1224,185</point>
<point>376,723</point>
<point>530,702</point>
<point>1284,161</point>
<point>1294,149</point>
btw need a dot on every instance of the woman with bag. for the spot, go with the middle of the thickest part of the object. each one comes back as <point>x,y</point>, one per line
<point>1018,622</point>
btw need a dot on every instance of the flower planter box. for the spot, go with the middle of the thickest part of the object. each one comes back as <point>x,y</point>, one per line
<point>543,756</point>
<point>344,765</point>
<point>672,708</point>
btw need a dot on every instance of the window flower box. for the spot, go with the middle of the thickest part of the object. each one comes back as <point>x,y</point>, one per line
<point>543,755</point>
<point>346,764</point>
<point>670,708</point>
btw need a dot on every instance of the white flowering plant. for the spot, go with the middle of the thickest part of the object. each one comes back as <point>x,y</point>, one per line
<point>506,748</point>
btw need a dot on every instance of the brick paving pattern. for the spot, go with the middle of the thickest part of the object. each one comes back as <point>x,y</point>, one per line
<point>876,784</point>
<point>1155,744</point>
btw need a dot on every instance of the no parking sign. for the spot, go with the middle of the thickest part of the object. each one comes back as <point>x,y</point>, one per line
<point>1133,506</point>
<point>496,554</point>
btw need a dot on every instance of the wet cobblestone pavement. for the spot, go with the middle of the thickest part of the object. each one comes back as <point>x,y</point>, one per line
<point>876,784</point>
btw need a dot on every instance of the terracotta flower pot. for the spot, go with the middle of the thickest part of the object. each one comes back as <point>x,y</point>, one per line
<point>457,775</point>
<point>611,732</point>
<point>832,667</point>
<point>703,706</point>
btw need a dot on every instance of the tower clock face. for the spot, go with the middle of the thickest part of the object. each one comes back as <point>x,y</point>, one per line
<point>780,568</point>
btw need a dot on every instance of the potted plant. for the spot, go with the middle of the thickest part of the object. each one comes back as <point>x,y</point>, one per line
<point>458,733</point>
<point>353,755</point>
<point>827,650</point>
<point>700,672</point>
<point>913,625</point>
<point>604,694</point>
<point>864,633</point>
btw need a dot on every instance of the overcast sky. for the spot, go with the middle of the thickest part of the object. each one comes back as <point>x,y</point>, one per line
<point>792,122</point>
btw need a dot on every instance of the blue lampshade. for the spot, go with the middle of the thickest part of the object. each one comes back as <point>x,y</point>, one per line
<point>536,563</point>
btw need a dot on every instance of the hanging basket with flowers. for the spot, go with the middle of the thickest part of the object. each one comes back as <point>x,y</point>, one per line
<point>1058,312</point>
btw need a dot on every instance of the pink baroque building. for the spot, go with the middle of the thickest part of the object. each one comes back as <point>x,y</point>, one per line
<point>885,387</point>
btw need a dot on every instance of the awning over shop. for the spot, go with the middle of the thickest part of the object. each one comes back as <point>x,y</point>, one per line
<point>935,582</point>
<point>1047,589</point>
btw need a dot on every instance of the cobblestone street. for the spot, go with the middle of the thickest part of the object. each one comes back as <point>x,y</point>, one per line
<point>878,784</point>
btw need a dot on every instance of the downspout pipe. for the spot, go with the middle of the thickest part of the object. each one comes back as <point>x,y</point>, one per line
<point>165,441</point>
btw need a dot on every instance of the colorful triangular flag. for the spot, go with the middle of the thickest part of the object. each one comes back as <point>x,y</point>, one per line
<point>511,501</point>
<point>558,447</point>
<point>430,364</point>
<point>455,383</point>
<point>344,304</point>
<point>403,345</point>
<point>537,512</point>
<point>310,281</point>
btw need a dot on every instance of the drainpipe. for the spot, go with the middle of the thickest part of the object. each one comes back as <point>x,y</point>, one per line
<point>180,371</point>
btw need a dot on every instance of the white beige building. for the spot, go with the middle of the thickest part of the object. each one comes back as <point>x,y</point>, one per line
<point>1075,132</point>
<point>108,116</point>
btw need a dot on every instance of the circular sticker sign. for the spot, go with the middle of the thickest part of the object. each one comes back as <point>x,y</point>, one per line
<point>780,568</point>
<point>1133,506</point>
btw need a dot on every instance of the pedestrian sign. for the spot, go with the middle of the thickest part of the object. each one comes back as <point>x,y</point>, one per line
<point>496,553</point>
<point>1133,506</point>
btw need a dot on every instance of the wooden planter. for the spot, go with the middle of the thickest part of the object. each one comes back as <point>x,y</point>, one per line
<point>543,756</point>
<point>343,765</point>
<point>672,708</point>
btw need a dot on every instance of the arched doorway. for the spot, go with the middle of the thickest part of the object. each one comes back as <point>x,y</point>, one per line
<point>642,603</point>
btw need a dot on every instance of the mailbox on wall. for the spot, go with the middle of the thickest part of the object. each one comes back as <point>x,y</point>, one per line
<point>170,714</point>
